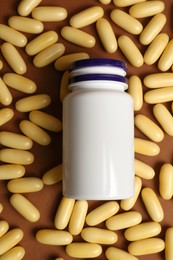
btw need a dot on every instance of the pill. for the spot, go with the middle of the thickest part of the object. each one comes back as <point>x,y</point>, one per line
<point>99,236</point>
<point>59,258</point>
<point>53,175</point>
<point>126,21</point>
<point>105,2</point>
<point>45,121</point>
<point>86,17</point>
<point>64,62</point>
<point>130,51</point>
<point>4,227</point>
<point>123,220</point>
<point>112,253</point>
<point>63,213</point>
<point>54,237</point>
<point>49,13</point>
<point>128,204</point>
<point>10,239</point>
<point>142,231</point>
<point>5,95</point>
<point>168,243</point>
<point>11,171</point>
<point>156,48</point>
<point>25,7</point>
<point>24,207</point>
<point>101,213</point>
<point>49,55</point>
<point>25,185</point>
<point>159,80</point>
<point>1,207</point>
<point>1,64</point>
<point>14,140</point>
<point>159,95</point>
<point>136,91</point>
<point>166,59</point>
<point>16,253</point>
<point>6,114</point>
<point>152,29</point>
<point>146,9</point>
<point>146,147</point>
<point>41,42</point>
<point>13,58</point>
<point>83,250</point>
<point>12,36</point>
<point>144,170</point>
<point>34,132</point>
<point>34,102</point>
<point>166,181</point>
<point>78,216</point>
<point>64,90</point>
<point>152,204</point>
<point>148,128</point>
<point>25,24</point>
<point>164,117</point>
<point>105,32</point>
<point>146,246</point>
<point>16,156</point>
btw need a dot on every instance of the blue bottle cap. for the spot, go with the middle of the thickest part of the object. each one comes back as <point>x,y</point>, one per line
<point>104,77</point>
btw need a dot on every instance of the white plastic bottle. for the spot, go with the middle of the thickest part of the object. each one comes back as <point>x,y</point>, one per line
<point>98,132</point>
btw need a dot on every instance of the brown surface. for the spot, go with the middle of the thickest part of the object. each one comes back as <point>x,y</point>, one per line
<point>48,80</point>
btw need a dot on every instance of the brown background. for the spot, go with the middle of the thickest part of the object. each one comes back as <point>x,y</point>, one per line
<point>48,81</point>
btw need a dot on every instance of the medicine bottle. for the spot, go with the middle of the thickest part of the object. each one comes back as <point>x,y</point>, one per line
<point>98,132</point>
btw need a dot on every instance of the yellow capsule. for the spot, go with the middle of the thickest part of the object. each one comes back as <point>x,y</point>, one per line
<point>25,185</point>
<point>128,204</point>
<point>1,207</point>
<point>136,91</point>
<point>159,80</point>
<point>166,59</point>
<point>64,90</point>
<point>12,36</point>
<point>146,246</point>
<point>64,62</point>
<point>156,48</point>
<point>159,95</point>
<point>19,83</point>
<point>53,175</point>
<point>105,2</point>
<point>152,29</point>
<point>146,9</point>
<point>34,102</point>
<point>168,244</point>
<point>13,58</point>
<point>83,250</point>
<point>101,213</point>
<point>5,95</point>
<point>152,204</point>
<point>41,42</point>
<point>166,181</point>
<point>112,253</point>
<point>86,17</point>
<point>34,132</point>
<point>130,51</point>
<point>49,13</point>
<point>124,220</point>
<point>78,216</point>
<point>4,227</point>
<point>164,117</point>
<point>126,21</point>
<point>143,231</point>
<point>99,236</point>
<point>6,114</point>
<point>105,31</point>
<point>64,212</point>
<point>16,156</point>
<point>11,171</point>
<point>25,7</point>
<point>24,207</point>
<point>49,55</point>
<point>59,258</point>
<point>78,37</point>
<point>54,237</point>
<point>149,128</point>
<point>1,64</point>
<point>14,140</point>
<point>144,170</point>
<point>146,147</point>
<point>16,253</point>
<point>25,24</point>
<point>10,239</point>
